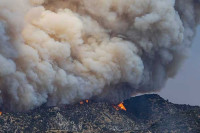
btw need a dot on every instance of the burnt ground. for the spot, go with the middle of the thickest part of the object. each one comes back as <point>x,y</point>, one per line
<point>144,114</point>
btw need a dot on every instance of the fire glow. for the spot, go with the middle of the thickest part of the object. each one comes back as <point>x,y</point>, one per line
<point>82,102</point>
<point>0,113</point>
<point>120,106</point>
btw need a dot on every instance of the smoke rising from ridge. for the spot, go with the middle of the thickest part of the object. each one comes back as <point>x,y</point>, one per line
<point>64,51</point>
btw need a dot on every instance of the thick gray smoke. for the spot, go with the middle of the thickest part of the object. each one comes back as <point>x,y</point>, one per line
<point>64,51</point>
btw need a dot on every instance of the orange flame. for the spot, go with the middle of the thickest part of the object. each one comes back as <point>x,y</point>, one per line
<point>120,106</point>
<point>0,113</point>
<point>82,102</point>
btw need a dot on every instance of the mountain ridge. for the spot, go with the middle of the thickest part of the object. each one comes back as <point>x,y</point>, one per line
<point>144,114</point>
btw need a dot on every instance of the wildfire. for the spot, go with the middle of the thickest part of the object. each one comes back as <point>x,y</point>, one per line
<point>120,106</point>
<point>82,102</point>
<point>117,107</point>
<point>87,101</point>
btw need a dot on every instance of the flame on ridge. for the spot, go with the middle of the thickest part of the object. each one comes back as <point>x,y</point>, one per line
<point>82,102</point>
<point>120,106</point>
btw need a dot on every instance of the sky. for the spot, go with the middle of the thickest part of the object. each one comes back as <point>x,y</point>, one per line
<point>184,88</point>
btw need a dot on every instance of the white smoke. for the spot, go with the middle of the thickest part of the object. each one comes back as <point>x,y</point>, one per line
<point>64,51</point>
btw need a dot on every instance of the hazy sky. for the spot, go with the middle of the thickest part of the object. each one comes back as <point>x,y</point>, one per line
<point>185,87</point>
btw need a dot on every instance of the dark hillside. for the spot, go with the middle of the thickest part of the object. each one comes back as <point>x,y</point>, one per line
<point>147,113</point>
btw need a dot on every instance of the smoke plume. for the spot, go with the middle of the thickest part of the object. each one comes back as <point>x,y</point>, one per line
<point>64,51</point>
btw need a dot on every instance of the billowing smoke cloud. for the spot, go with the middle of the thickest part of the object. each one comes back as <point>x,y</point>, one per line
<point>64,51</point>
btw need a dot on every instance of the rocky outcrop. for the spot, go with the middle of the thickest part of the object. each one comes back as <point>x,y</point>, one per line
<point>147,113</point>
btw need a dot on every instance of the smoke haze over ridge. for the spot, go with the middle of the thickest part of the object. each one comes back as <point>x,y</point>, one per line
<point>64,51</point>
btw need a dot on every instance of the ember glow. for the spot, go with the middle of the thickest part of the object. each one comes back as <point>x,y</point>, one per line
<point>120,106</point>
<point>82,102</point>
<point>0,113</point>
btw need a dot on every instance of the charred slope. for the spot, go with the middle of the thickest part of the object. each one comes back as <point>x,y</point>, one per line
<point>147,113</point>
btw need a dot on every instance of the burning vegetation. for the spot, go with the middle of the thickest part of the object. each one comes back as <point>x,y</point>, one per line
<point>85,101</point>
<point>120,106</point>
